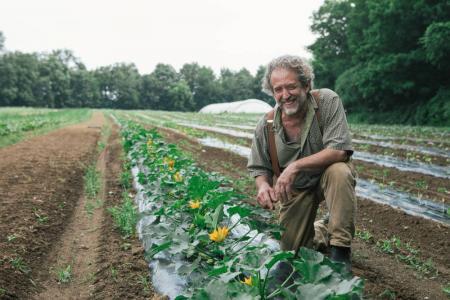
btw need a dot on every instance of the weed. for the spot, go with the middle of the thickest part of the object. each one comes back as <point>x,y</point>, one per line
<point>387,294</point>
<point>89,207</point>
<point>100,146</point>
<point>446,289</point>
<point>2,291</point>
<point>19,264</point>
<point>39,217</point>
<point>125,178</point>
<point>11,237</point>
<point>385,246</point>
<point>62,204</point>
<point>421,184</point>
<point>91,182</point>
<point>125,246</point>
<point>125,216</point>
<point>114,273</point>
<point>364,235</point>
<point>442,190</point>
<point>144,280</point>
<point>65,274</point>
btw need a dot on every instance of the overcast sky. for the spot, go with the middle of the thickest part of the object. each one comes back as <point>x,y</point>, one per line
<point>214,33</point>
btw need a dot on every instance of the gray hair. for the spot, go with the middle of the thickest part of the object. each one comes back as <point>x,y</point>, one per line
<point>290,62</point>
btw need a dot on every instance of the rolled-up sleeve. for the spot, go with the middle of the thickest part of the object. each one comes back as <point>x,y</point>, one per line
<point>336,134</point>
<point>259,159</point>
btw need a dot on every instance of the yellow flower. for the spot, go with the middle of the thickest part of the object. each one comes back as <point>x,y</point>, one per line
<point>169,162</point>
<point>219,234</point>
<point>248,281</point>
<point>177,177</point>
<point>150,142</point>
<point>194,204</point>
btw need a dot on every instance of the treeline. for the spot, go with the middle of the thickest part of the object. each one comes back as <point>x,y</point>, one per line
<point>388,59</point>
<point>59,79</point>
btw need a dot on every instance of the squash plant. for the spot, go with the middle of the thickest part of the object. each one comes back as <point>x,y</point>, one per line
<point>227,246</point>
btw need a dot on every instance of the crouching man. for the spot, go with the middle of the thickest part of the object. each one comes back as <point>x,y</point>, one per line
<point>305,142</point>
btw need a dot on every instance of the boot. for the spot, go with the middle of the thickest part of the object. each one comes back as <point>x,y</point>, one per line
<point>342,255</point>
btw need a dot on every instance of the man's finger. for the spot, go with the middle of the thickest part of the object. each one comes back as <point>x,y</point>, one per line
<point>269,204</point>
<point>272,196</point>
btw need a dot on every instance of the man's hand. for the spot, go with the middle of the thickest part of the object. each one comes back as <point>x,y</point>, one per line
<point>283,187</point>
<point>266,196</point>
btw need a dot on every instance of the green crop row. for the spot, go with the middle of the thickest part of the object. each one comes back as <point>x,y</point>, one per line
<point>197,217</point>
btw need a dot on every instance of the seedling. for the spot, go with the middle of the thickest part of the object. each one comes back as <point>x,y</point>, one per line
<point>11,237</point>
<point>65,274</point>
<point>39,217</point>
<point>446,290</point>
<point>404,252</point>
<point>19,264</point>
<point>114,273</point>
<point>145,283</point>
<point>364,235</point>
<point>89,207</point>
<point>387,294</point>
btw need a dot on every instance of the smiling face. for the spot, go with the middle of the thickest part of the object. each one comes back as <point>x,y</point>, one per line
<point>288,91</point>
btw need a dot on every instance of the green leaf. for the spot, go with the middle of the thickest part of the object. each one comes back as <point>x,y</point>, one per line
<point>217,217</point>
<point>279,256</point>
<point>218,271</point>
<point>241,211</point>
<point>313,292</point>
<point>155,249</point>
<point>348,287</point>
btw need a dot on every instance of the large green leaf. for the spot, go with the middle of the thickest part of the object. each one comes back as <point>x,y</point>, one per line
<point>279,256</point>
<point>240,210</point>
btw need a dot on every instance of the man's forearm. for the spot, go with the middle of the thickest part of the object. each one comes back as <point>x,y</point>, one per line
<point>263,180</point>
<point>320,160</point>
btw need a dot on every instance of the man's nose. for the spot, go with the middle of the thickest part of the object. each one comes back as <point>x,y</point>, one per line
<point>285,94</point>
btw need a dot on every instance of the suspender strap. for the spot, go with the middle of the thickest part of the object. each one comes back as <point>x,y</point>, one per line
<point>272,146</point>
<point>316,96</point>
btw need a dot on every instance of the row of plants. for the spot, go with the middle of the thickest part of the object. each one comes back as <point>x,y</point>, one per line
<point>14,127</point>
<point>222,247</point>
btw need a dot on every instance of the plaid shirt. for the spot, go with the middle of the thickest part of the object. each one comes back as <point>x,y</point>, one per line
<point>336,136</point>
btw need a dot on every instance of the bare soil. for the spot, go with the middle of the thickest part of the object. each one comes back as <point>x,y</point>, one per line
<point>386,277</point>
<point>44,224</point>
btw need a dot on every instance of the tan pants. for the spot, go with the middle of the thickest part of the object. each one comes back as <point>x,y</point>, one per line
<point>297,215</point>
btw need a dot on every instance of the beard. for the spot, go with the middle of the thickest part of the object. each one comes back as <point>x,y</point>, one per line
<point>296,104</point>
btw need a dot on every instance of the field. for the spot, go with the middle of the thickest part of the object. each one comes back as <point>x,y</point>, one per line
<point>67,212</point>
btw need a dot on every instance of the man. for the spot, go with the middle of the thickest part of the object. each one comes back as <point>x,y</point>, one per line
<point>313,147</point>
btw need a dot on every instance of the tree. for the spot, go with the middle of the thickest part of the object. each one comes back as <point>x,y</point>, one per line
<point>2,41</point>
<point>119,85</point>
<point>19,77</point>
<point>236,85</point>
<point>331,54</point>
<point>202,82</point>
<point>257,89</point>
<point>386,57</point>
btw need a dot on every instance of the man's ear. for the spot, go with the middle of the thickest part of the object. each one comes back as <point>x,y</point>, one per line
<point>308,87</point>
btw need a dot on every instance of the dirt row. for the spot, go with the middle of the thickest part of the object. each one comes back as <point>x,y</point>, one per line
<point>45,225</point>
<point>386,277</point>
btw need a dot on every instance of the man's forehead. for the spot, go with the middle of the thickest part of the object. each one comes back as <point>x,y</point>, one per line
<point>284,75</point>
